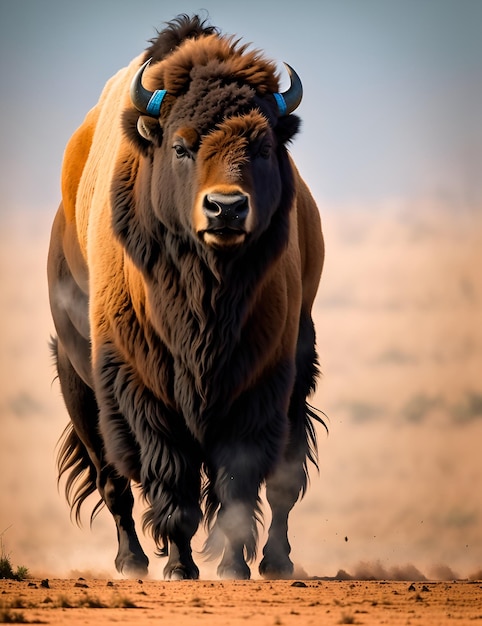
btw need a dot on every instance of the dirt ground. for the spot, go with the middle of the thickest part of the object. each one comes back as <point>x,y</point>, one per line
<point>232,603</point>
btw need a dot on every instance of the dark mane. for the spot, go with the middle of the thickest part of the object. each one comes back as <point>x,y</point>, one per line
<point>177,30</point>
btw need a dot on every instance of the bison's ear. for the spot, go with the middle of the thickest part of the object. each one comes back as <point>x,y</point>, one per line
<point>144,132</point>
<point>149,129</point>
<point>287,127</point>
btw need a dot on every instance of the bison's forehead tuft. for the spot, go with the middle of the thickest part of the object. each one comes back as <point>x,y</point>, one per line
<point>234,135</point>
<point>210,101</point>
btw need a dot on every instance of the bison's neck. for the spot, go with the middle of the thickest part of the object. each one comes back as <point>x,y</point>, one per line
<point>199,316</point>
<point>199,310</point>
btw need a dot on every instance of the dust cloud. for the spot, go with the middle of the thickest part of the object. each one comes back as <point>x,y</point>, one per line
<point>400,341</point>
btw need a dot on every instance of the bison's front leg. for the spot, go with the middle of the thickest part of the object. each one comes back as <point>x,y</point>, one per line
<point>152,446</point>
<point>241,468</point>
<point>236,522</point>
<point>182,524</point>
<point>171,483</point>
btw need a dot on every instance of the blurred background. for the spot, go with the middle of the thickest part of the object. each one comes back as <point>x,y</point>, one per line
<point>391,146</point>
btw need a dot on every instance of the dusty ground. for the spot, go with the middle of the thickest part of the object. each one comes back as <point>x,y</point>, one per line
<point>259,603</point>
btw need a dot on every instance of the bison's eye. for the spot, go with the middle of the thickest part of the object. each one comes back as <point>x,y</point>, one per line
<point>181,151</point>
<point>264,151</point>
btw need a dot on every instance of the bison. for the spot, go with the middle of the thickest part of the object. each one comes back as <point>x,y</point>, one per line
<point>183,264</point>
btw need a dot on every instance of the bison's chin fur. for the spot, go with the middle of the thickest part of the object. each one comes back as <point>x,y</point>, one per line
<point>224,239</point>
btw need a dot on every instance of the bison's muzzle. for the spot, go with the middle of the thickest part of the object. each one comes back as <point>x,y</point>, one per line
<point>226,216</point>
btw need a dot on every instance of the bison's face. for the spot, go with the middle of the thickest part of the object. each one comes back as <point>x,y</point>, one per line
<point>216,157</point>
<point>226,184</point>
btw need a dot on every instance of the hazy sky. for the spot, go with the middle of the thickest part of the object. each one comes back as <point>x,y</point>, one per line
<point>393,88</point>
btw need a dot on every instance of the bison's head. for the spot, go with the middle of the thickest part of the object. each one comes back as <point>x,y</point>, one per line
<point>214,140</point>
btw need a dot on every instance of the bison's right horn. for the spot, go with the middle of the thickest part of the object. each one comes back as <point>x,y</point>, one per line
<point>289,100</point>
<point>146,102</point>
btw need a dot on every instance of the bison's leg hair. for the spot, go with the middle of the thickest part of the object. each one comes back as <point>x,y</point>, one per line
<point>171,483</point>
<point>153,447</point>
<point>184,523</point>
<point>288,482</point>
<point>235,477</point>
<point>85,450</point>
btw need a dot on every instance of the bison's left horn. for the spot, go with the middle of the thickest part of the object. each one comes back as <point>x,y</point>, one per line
<point>289,100</point>
<point>146,102</point>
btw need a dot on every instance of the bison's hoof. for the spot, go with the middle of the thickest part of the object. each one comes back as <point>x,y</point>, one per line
<point>132,566</point>
<point>181,572</point>
<point>276,569</point>
<point>239,571</point>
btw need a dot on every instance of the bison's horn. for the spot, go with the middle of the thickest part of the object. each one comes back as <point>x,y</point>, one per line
<point>146,102</point>
<point>289,100</point>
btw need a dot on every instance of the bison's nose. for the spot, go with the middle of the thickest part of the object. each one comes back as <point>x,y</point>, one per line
<point>226,210</point>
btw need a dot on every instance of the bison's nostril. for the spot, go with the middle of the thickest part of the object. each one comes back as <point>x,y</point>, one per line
<point>226,207</point>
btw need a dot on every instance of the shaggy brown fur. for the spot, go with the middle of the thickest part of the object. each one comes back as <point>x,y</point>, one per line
<point>185,345</point>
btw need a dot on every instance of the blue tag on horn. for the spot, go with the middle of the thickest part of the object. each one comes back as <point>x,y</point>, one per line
<point>280,101</point>
<point>154,104</point>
